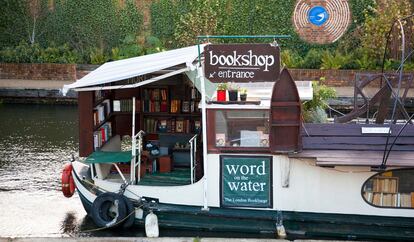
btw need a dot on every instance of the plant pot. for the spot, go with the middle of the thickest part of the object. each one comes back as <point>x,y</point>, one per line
<point>221,95</point>
<point>243,97</point>
<point>233,95</point>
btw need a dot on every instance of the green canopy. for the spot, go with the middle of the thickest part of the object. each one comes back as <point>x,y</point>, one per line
<point>109,157</point>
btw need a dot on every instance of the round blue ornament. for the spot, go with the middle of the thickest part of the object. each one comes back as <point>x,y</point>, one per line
<point>318,15</point>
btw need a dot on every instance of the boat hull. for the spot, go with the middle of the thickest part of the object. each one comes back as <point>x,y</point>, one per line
<point>263,222</point>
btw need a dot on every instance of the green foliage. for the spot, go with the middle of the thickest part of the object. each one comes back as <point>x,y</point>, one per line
<point>128,48</point>
<point>87,25</point>
<point>201,19</point>
<point>316,115</point>
<point>97,56</point>
<point>165,15</point>
<point>409,66</point>
<point>313,110</point>
<point>60,54</point>
<point>291,59</point>
<point>25,53</point>
<point>231,86</point>
<point>170,19</point>
<point>130,20</point>
<point>153,45</point>
<point>334,61</point>
<point>222,86</point>
<point>313,59</point>
<point>377,25</point>
<point>19,22</point>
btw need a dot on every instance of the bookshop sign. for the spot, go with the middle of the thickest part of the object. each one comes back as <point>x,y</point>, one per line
<point>246,181</point>
<point>241,62</point>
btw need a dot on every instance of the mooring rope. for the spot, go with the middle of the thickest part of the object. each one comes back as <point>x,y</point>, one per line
<point>119,222</point>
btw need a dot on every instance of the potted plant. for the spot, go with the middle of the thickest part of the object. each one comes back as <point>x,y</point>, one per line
<point>233,91</point>
<point>243,94</point>
<point>221,92</point>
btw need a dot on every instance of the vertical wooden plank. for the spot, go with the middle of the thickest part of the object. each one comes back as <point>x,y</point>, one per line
<point>285,116</point>
<point>85,109</point>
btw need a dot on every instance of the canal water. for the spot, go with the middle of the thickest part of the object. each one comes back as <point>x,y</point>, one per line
<point>35,142</point>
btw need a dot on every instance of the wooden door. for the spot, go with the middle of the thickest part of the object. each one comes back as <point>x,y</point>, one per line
<point>285,116</point>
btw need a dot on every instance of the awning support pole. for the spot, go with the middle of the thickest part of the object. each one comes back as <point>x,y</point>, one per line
<point>204,129</point>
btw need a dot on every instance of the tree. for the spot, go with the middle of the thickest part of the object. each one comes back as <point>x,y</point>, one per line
<point>87,25</point>
<point>201,19</point>
<point>22,20</point>
<point>377,26</point>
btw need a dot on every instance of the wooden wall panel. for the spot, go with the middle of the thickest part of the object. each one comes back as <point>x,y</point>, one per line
<point>85,109</point>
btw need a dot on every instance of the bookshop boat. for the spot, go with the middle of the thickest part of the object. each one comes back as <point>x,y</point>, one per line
<point>159,150</point>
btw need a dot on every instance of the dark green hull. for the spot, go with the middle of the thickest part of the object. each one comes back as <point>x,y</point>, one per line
<point>297,224</point>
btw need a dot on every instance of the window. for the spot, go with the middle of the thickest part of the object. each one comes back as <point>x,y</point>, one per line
<point>390,189</point>
<point>242,128</point>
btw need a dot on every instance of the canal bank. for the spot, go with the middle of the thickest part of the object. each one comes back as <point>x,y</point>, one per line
<point>42,83</point>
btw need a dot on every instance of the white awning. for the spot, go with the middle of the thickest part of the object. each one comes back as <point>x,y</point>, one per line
<point>123,69</point>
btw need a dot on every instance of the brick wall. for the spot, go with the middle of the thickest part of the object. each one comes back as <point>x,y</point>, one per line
<point>334,78</point>
<point>38,71</point>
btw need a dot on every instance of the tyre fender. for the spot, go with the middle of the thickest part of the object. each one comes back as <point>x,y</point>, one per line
<point>108,209</point>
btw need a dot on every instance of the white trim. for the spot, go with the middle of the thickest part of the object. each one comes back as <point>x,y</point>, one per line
<point>173,73</point>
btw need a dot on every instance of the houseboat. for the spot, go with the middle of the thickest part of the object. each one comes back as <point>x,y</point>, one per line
<point>160,148</point>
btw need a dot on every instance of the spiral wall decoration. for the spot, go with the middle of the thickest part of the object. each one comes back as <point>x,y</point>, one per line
<point>321,21</point>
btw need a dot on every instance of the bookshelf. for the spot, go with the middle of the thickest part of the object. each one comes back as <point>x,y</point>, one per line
<point>171,109</point>
<point>383,191</point>
<point>102,131</point>
<point>159,108</point>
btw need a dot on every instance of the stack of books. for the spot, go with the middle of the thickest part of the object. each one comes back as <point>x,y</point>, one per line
<point>101,111</point>
<point>101,136</point>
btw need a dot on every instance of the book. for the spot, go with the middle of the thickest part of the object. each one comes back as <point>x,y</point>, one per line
<point>197,126</point>
<point>368,196</point>
<point>387,200</point>
<point>412,199</point>
<point>220,139</point>
<point>377,199</point>
<point>117,105</point>
<point>405,200</point>
<point>179,126</point>
<point>164,106</point>
<point>175,106</point>
<point>185,107</point>
<point>162,126</point>
<point>264,140</point>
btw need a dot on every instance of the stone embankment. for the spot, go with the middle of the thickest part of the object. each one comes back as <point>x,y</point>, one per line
<point>41,83</point>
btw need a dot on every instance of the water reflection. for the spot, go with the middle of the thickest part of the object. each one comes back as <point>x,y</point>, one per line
<point>35,142</point>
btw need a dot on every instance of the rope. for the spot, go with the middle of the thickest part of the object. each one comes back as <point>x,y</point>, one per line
<point>119,222</point>
<point>99,188</point>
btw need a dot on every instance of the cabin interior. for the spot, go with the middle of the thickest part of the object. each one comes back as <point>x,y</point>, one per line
<point>169,114</point>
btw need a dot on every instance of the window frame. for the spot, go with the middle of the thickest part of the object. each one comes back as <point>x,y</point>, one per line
<point>378,174</point>
<point>211,134</point>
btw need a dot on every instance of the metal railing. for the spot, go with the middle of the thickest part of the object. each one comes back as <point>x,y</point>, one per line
<point>136,152</point>
<point>193,157</point>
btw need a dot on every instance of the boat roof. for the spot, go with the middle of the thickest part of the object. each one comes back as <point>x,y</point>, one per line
<point>349,145</point>
<point>114,71</point>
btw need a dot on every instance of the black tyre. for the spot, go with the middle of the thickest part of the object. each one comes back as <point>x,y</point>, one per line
<point>105,212</point>
<point>130,208</point>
